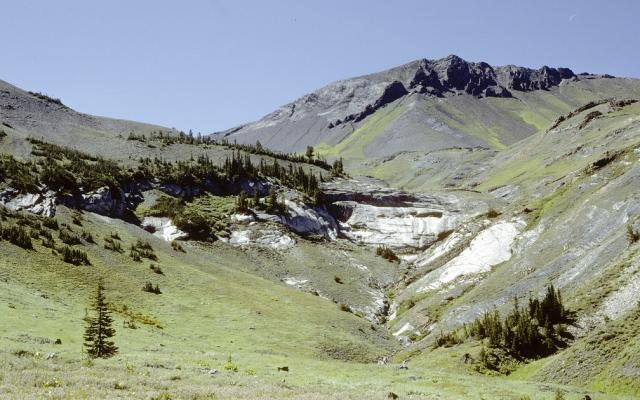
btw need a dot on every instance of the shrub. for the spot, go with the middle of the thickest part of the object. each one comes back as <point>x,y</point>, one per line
<point>338,280</point>
<point>111,244</point>
<point>50,223</point>
<point>633,234</point>
<point>49,242</point>
<point>142,249</point>
<point>74,256</point>
<point>68,237</point>
<point>166,206</point>
<point>386,253</point>
<point>446,340</point>
<point>87,237</point>
<point>148,287</point>
<point>46,98</point>
<point>345,308</point>
<point>177,247</point>
<point>444,234</point>
<point>230,365</point>
<point>135,255</point>
<point>492,213</point>
<point>18,236</point>
<point>45,233</point>
<point>156,269</point>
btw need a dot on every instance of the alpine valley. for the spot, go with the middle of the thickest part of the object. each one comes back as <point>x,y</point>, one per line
<point>443,229</point>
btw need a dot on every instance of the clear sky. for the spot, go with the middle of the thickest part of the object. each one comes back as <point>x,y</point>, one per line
<point>213,64</point>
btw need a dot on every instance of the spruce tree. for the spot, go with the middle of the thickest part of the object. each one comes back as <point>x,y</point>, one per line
<point>272,199</point>
<point>309,152</point>
<point>98,328</point>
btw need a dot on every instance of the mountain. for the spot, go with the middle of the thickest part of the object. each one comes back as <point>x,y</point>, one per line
<point>242,271</point>
<point>428,111</point>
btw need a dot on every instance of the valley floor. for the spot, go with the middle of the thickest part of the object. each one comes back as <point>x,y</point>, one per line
<point>215,332</point>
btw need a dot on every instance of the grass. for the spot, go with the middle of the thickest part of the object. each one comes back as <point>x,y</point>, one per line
<point>208,311</point>
<point>353,146</point>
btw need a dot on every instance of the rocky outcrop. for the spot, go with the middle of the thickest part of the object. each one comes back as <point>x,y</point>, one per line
<point>163,228</point>
<point>490,247</point>
<point>452,75</point>
<point>271,238</point>
<point>391,93</point>
<point>104,201</point>
<point>308,221</point>
<point>397,227</point>
<point>37,203</point>
<point>332,113</point>
<point>526,79</point>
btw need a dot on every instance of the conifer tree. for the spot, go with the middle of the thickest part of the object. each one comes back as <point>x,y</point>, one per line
<point>241,203</point>
<point>98,328</point>
<point>272,199</point>
<point>309,152</point>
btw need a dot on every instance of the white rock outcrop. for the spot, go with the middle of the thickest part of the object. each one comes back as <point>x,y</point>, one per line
<point>104,201</point>
<point>163,228</point>
<point>397,227</point>
<point>36,203</point>
<point>305,220</point>
<point>262,237</point>
<point>490,247</point>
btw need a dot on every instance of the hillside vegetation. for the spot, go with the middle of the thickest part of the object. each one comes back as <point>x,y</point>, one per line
<point>233,270</point>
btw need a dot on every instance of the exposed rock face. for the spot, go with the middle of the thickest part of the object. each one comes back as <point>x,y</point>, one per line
<point>453,74</point>
<point>41,204</point>
<point>308,221</point>
<point>272,238</point>
<point>490,247</point>
<point>525,79</point>
<point>163,228</point>
<point>391,93</point>
<point>104,201</point>
<point>376,215</point>
<point>333,112</point>
<point>397,227</point>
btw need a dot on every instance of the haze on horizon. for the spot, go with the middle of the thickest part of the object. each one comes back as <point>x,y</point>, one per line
<point>213,64</point>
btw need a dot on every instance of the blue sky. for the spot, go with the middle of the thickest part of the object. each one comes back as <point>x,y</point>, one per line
<point>209,65</point>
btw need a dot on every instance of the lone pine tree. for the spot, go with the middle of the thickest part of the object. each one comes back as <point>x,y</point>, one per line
<point>98,330</point>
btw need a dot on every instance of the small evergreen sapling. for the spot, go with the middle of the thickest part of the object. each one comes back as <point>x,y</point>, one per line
<point>99,329</point>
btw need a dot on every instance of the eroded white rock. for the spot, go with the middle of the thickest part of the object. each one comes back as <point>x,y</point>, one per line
<point>163,228</point>
<point>305,220</point>
<point>269,238</point>
<point>35,203</point>
<point>490,247</point>
<point>397,227</point>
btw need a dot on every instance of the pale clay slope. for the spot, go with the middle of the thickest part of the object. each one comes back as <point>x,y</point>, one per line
<point>491,247</point>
